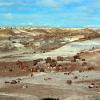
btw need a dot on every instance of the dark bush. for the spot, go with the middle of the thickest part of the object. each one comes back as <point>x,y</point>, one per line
<point>50,99</point>
<point>69,82</point>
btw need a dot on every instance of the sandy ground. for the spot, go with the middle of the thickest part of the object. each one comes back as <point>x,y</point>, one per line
<point>56,87</point>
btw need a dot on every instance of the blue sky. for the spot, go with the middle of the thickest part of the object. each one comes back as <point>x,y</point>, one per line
<point>50,13</point>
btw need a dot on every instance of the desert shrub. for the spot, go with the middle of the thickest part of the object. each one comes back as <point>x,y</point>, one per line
<point>76,77</point>
<point>69,82</point>
<point>50,99</point>
<point>90,68</point>
<point>10,70</point>
<point>42,70</point>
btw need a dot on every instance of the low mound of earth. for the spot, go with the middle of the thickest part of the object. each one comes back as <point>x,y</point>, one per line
<point>6,33</point>
<point>69,49</point>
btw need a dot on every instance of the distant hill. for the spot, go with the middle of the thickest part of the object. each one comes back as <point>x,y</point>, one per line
<point>51,32</point>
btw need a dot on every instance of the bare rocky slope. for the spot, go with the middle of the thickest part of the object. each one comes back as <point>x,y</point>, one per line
<point>42,39</point>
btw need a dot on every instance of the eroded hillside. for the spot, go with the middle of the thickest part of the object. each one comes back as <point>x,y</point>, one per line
<point>42,40</point>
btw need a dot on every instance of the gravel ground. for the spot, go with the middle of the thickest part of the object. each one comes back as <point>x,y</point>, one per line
<point>55,87</point>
